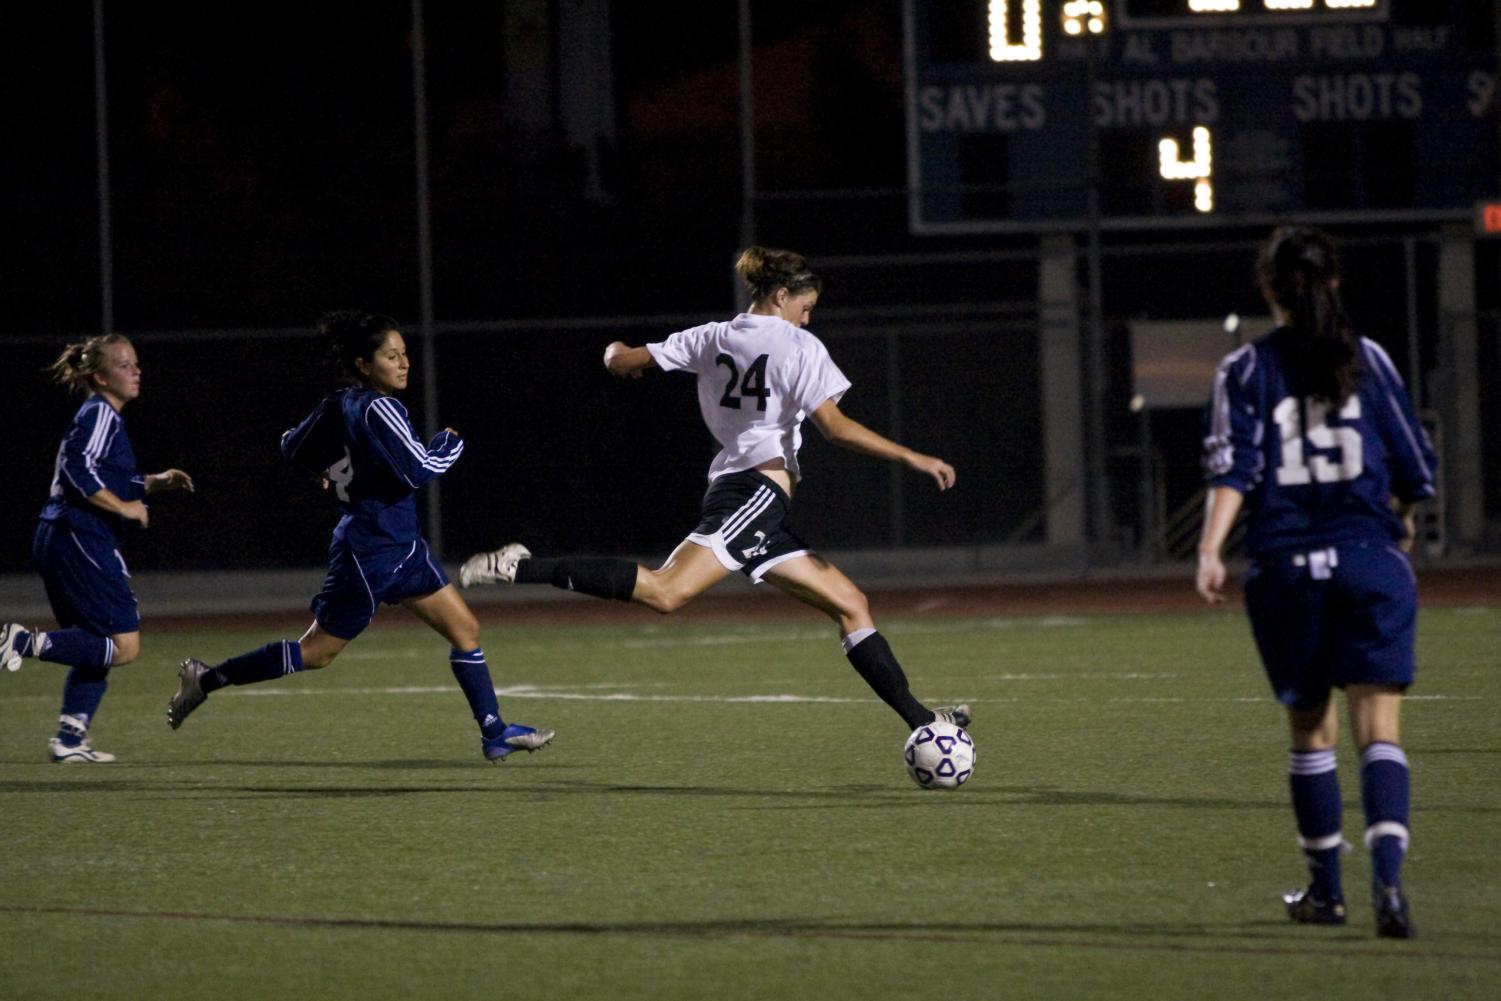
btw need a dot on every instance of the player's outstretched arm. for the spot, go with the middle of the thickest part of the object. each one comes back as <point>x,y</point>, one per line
<point>626,362</point>
<point>848,433</point>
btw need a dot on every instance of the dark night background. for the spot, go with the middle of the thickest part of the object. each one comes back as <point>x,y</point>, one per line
<point>262,171</point>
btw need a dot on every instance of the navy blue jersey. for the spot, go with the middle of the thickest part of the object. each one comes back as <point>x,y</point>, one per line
<point>364,443</point>
<point>94,455</point>
<point>1315,475</point>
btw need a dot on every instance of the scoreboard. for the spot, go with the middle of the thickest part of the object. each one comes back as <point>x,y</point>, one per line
<point>1194,112</point>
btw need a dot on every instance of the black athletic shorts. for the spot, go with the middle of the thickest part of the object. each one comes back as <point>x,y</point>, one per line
<point>742,521</point>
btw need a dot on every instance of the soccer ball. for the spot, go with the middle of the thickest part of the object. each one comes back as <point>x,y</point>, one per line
<point>939,756</point>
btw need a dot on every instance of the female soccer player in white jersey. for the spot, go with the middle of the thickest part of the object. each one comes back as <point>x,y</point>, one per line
<point>95,490</point>
<point>1311,428</point>
<point>760,375</point>
<point>360,441</point>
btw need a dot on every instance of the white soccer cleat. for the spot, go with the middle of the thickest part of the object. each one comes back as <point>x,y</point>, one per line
<point>81,753</point>
<point>958,715</point>
<point>516,737</point>
<point>495,567</point>
<point>9,658</point>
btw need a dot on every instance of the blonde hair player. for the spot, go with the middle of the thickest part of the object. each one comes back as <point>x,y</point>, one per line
<point>95,491</point>
<point>760,375</point>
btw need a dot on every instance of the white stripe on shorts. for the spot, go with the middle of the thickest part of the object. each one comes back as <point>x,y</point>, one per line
<point>759,501</point>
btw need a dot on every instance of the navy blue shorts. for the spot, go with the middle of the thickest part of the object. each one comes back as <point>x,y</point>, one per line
<point>1333,617</point>
<point>357,585</point>
<point>741,519</point>
<point>87,582</point>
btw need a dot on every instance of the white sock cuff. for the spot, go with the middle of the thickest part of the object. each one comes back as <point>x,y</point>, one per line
<point>1335,840</point>
<point>1311,762</point>
<point>1387,829</point>
<point>855,638</point>
<point>1382,751</point>
<point>77,725</point>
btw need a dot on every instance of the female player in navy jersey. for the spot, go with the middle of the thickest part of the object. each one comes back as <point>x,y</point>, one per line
<point>361,442</point>
<point>1312,430</point>
<point>759,376</point>
<point>95,490</point>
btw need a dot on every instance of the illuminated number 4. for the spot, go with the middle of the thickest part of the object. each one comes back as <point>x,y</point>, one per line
<point>754,383</point>
<point>1200,169</point>
<point>339,474</point>
<point>1346,465</point>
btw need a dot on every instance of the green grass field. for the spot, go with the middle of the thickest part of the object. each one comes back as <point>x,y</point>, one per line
<point>725,814</point>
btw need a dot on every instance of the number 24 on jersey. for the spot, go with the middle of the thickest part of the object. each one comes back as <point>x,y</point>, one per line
<point>754,383</point>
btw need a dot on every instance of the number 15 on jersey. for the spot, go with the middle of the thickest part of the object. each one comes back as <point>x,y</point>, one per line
<point>1294,428</point>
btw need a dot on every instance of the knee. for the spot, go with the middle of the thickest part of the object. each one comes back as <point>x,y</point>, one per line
<point>314,659</point>
<point>853,609</point>
<point>466,633</point>
<point>127,649</point>
<point>661,598</point>
<point>658,594</point>
<point>663,601</point>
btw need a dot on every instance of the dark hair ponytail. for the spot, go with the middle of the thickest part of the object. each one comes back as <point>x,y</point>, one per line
<point>352,334</point>
<point>1298,269</point>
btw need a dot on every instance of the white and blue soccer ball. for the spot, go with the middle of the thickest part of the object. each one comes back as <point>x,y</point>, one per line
<point>939,756</point>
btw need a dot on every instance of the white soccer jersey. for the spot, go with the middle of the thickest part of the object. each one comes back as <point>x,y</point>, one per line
<point>758,378</point>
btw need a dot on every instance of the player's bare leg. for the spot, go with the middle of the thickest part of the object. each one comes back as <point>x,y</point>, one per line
<point>447,614</point>
<point>1314,729</point>
<point>319,647</point>
<point>688,572</point>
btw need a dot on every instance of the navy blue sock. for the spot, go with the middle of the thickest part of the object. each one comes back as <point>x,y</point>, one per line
<point>26,642</point>
<point>871,656</point>
<point>602,578</point>
<point>473,676</point>
<point>267,663</point>
<point>1314,784</point>
<point>77,648</point>
<point>82,692</point>
<point>1384,792</point>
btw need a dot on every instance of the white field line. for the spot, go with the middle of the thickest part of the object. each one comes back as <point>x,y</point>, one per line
<point>1123,676</point>
<point>802,635</point>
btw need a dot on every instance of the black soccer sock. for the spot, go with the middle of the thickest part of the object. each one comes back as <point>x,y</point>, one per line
<point>872,657</point>
<point>603,578</point>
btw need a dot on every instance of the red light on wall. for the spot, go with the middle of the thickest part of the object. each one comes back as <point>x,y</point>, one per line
<point>1488,218</point>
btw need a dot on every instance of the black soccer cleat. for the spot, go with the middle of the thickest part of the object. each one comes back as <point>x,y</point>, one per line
<point>1306,909</point>
<point>190,694</point>
<point>1392,920</point>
